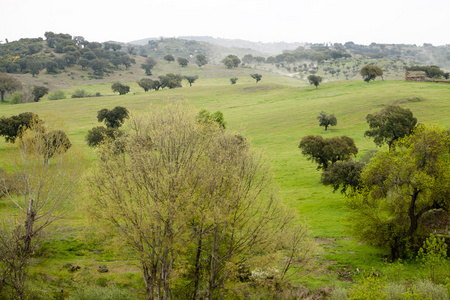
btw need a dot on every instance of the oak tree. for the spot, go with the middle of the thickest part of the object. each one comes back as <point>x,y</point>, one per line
<point>325,152</point>
<point>8,84</point>
<point>121,88</point>
<point>327,120</point>
<point>314,79</point>
<point>400,187</point>
<point>390,124</point>
<point>370,72</point>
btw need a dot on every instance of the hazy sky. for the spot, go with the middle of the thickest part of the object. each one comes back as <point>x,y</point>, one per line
<point>315,21</point>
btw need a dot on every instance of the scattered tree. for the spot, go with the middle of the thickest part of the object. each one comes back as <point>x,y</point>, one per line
<point>327,120</point>
<point>48,174</point>
<point>314,79</point>
<point>400,187</point>
<point>170,80</point>
<point>120,88</point>
<point>166,199</point>
<point>191,79</point>
<point>231,61</point>
<point>39,92</point>
<point>169,58</point>
<point>201,60</point>
<point>149,64</point>
<point>256,76</point>
<point>370,72</point>
<point>13,127</point>
<point>113,118</point>
<point>182,61</point>
<point>325,152</point>
<point>8,84</point>
<point>344,175</point>
<point>146,84</point>
<point>99,134</point>
<point>233,80</point>
<point>390,124</point>
<point>204,116</point>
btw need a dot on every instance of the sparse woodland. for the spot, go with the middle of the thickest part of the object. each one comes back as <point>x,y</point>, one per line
<point>152,172</point>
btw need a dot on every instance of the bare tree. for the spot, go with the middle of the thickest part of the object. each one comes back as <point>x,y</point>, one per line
<point>46,172</point>
<point>179,188</point>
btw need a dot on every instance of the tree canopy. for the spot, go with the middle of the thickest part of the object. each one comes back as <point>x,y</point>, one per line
<point>191,79</point>
<point>314,79</point>
<point>370,72</point>
<point>122,89</point>
<point>8,84</point>
<point>390,124</point>
<point>148,65</point>
<point>327,120</point>
<point>180,216</point>
<point>200,60</point>
<point>400,187</point>
<point>325,152</point>
<point>13,127</point>
<point>39,92</point>
<point>182,61</point>
<point>256,76</point>
<point>113,118</point>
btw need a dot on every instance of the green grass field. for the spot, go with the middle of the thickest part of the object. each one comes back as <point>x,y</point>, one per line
<point>274,115</point>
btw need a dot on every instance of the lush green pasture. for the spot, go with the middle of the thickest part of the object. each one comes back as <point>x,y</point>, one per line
<point>274,114</point>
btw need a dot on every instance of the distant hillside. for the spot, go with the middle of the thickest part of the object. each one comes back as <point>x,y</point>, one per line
<point>178,47</point>
<point>264,49</point>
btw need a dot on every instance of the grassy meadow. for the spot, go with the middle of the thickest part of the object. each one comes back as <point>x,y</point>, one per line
<point>274,115</point>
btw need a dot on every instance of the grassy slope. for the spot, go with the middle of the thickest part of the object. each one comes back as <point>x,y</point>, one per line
<point>274,114</point>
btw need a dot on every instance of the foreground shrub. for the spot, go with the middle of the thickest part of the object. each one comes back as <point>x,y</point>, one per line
<point>80,94</point>
<point>56,95</point>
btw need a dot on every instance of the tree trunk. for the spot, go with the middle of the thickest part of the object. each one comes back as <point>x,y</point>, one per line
<point>197,266</point>
<point>212,279</point>
<point>148,281</point>
<point>413,217</point>
<point>2,93</point>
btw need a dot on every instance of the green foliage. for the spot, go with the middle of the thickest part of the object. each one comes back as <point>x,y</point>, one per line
<point>204,116</point>
<point>325,152</point>
<point>146,84</point>
<point>56,95</point>
<point>314,79</point>
<point>256,76</point>
<point>200,60</point>
<point>430,71</point>
<point>8,84</point>
<point>326,120</point>
<point>182,61</point>
<point>13,127</point>
<point>370,72</point>
<point>113,118</point>
<point>371,288</point>
<point>231,61</point>
<point>170,80</point>
<point>121,88</point>
<point>433,257</point>
<point>99,134</point>
<point>390,124</point>
<point>79,93</point>
<point>344,175</point>
<point>16,98</point>
<point>399,187</point>
<point>169,58</point>
<point>39,92</point>
<point>233,80</point>
<point>149,64</point>
<point>101,293</point>
<point>191,79</point>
